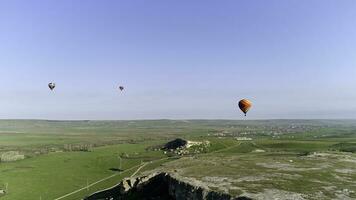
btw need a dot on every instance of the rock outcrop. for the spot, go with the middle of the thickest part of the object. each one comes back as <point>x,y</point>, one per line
<point>174,144</point>
<point>160,186</point>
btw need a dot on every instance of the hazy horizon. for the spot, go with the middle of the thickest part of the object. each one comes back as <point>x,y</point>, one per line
<point>177,59</point>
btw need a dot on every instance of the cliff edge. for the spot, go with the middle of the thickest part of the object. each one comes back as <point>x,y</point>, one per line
<point>160,186</point>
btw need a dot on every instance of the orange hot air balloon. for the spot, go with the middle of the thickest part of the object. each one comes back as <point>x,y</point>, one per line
<point>245,105</point>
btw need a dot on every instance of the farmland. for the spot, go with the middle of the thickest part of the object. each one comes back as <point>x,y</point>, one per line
<point>298,157</point>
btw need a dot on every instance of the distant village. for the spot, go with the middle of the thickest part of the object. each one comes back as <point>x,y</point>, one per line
<point>247,132</point>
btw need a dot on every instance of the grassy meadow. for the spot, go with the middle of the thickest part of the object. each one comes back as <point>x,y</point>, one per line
<point>251,149</point>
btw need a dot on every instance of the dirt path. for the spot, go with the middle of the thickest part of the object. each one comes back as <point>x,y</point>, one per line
<point>142,166</point>
<point>111,176</point>
<point>99,181</point>
<point>227,148</point>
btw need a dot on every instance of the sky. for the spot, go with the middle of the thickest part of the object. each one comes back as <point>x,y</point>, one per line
<point>186,59</point>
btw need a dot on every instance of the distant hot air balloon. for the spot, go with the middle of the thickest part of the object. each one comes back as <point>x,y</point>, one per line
<point>51,85</point>
<point>245,105</point>
<point>121,88</point>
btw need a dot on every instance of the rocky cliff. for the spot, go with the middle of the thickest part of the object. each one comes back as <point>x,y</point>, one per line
<point>160,186</point>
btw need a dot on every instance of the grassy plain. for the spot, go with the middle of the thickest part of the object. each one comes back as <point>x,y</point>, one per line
<point>284,159</point>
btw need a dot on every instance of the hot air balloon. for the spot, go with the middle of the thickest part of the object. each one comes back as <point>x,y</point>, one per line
<point>245,105</point>
<point>121,88</point>
<point>51,85</point>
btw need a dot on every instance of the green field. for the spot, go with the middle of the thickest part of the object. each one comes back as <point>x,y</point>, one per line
<point>298,156</point>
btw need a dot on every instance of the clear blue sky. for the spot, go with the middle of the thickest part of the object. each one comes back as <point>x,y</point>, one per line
<point>177,59</point>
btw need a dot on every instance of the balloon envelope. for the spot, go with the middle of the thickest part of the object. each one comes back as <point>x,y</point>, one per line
<point>245,105</point>
<point>51,85</point>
